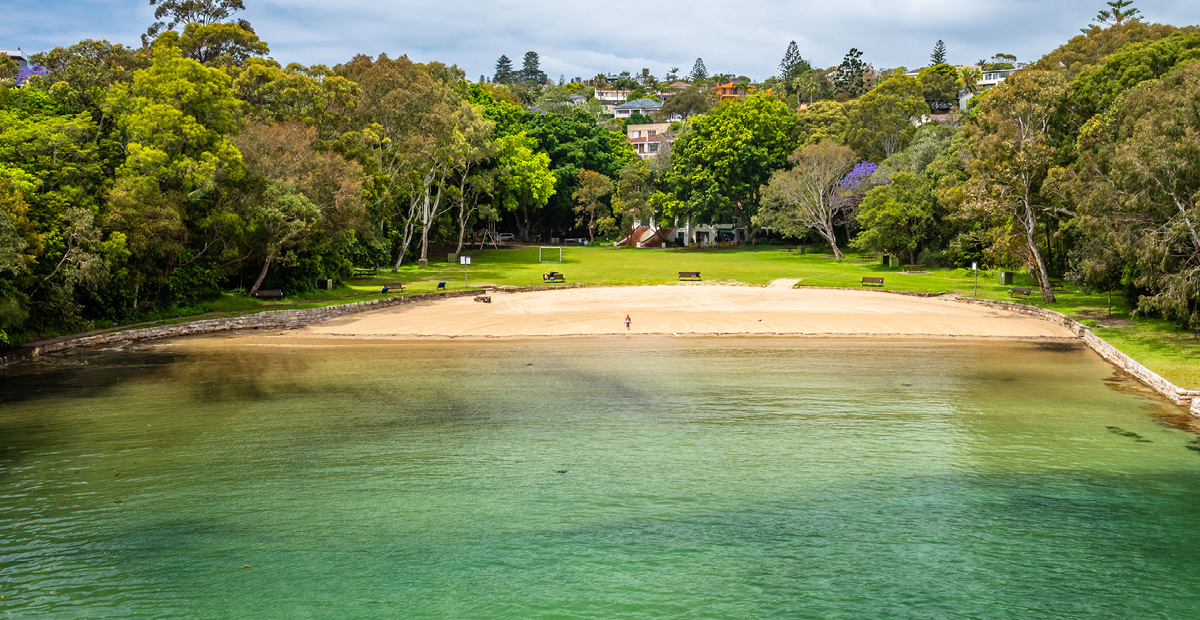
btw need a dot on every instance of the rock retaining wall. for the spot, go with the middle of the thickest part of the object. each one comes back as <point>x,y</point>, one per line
<point>269,318</point>
<point>1177,395</point>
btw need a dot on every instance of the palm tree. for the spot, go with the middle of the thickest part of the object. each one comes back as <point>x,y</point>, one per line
<point>808,85</point>
<point>968,79</point>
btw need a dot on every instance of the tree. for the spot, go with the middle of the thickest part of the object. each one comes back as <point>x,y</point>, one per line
<point>531,69</point>
<point>721,162</point>
<point>408,118</point>
<point>881,125</point>
<point>803,198</point>
<point>589,204</point>
<point>525,182</point>
<point>895,217</point>
<point>939,85</point>
<point>968,79</point>
<point>573,142</point>
<point>173,119</point>
<point>687,102</point>
<point>1096,90</point>
<point>504,71</point>
<point>1138,193</point>
<point>1116,14</point>
<point>291,190</point>
<point>938,57</point>
<point>635,189</point>
<point>1012,153</point>
<point>699,73</point>
<point>183,12</point>
<point>793,65</point>
<point>823,121</point>
<point>807,84</point>
<point>852,74</point>
<point>1090,48</point>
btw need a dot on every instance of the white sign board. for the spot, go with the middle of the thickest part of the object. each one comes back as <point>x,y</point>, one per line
<point>464,260</point>
<point>975,266</point>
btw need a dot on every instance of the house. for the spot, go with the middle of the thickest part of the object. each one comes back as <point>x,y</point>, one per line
<point>22,58</point>
<point>640,106</point>
<point>648,139</point>
<point>729,90</point>
<point>990,78</point>
<point>609,97</point>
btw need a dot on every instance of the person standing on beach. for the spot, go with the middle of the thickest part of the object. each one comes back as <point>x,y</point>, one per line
<point>627,321</point>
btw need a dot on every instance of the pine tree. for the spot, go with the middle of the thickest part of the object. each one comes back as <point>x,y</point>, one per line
<point>699,73</point>
<point>504,71</point>
<point>793,65</point>
<point>938,56</point>
<point>851,74</point>
<point>531,69</point>
<point>1117,15</point>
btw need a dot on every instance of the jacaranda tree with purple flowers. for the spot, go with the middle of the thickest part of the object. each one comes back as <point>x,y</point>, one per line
<point>29,71</point>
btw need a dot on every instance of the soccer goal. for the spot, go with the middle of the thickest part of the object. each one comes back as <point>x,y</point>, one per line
<point>547,255</point>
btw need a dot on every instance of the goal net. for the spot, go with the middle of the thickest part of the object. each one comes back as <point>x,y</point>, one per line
<point>550,255</point>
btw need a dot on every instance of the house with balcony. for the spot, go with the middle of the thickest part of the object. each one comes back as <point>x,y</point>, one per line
<point>648,139</point>
<point>641,106</point>
<point>729,91</point>
<point>611,97</point>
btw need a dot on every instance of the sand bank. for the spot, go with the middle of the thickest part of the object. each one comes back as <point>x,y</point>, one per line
<point>686,311</point>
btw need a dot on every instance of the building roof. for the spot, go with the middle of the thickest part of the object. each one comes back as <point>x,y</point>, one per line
<point>639,104</point>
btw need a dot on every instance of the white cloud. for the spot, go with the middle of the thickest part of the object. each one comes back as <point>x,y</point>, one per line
<point>581,38</point>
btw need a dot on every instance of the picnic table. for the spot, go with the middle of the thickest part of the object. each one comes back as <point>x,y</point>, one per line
<point>915,269</point>
<point>871,281</point>
<point>689,275</point>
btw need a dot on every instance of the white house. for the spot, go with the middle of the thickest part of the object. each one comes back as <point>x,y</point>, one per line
<point>22,58</point>
<point>641,106</point>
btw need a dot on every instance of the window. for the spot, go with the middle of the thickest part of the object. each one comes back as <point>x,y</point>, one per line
<point>653,147</point>
<point>651,133</point>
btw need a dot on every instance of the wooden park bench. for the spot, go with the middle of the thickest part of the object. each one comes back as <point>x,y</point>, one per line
<point>689,275</point>
<point>487,299</point>
<point>360,272</point>
<point>263,294</point>
<point>915,269</point>
<point>869,281</point>
<point>387,288</point>
<point>1020,293</point>
<point>440,287</point>
<point>553,276</point>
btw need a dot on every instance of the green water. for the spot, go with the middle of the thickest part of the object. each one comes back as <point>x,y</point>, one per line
<point>703,479</point>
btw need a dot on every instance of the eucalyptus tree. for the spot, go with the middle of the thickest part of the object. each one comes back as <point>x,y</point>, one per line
<point>804,197</point>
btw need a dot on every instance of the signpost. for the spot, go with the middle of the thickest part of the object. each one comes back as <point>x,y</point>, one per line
<point>975,268</point>
<point>464,261</point>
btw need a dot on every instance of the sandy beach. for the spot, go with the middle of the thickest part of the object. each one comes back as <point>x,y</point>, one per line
<point>777,309</point>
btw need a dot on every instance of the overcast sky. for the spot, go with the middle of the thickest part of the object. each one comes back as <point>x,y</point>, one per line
<point>577,38</point>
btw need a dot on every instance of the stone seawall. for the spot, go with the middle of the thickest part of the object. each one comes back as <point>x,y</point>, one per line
<point>268,318</point>
<point>1177,395</point>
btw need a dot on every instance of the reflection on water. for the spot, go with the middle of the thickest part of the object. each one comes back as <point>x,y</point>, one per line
<point>705,478</point>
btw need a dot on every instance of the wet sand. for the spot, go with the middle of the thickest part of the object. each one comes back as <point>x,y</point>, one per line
<point>693,310</point>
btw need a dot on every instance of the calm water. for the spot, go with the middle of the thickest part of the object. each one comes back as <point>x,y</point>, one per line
<point>703,479</point>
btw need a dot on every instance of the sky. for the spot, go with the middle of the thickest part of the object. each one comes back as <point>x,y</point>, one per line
<point>580,39</point>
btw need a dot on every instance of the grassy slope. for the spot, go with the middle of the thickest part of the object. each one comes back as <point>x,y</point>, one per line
<point>1155,343</point>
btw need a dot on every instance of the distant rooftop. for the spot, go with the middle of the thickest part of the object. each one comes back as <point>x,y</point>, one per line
<point>638,104</point>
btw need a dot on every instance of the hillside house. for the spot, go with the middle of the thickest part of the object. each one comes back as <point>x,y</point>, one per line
<point>648,139</point>
<point>641,106</point>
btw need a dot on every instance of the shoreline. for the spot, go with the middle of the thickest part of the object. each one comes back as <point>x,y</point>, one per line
<point>712,311</point>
